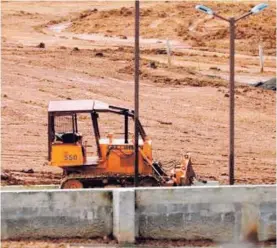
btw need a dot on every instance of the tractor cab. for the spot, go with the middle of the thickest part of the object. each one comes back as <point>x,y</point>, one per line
<point>67,147</point>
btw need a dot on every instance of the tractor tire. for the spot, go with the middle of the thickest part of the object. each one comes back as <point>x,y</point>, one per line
<point>72,184</point>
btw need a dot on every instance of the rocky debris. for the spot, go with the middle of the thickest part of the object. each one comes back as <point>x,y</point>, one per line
<point>99,54</point>
<point>87,13</point>
<point>125,11</point>
<point>76,49</point>
<point>214,68</point>
<point>4,176</point>
<point>269,84</point>
<point>161,51</point>
<point>226,95</point>
<point>9,179</point>
<point>165,122</point>
<point>120,49</point>
<point>28,177</point>
<point>152,65</point>
<point>28,171</point>
<point>124,37</point>
<point>41,45</point>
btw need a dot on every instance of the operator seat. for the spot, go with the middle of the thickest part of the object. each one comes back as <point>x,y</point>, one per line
<point>68,138</point>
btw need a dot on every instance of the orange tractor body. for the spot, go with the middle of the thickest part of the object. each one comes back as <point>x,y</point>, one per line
<point>113,163</point>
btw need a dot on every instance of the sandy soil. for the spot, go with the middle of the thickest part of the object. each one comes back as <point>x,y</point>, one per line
<point>101,243</point>
<point>171,20</point>
<point>184,107</point>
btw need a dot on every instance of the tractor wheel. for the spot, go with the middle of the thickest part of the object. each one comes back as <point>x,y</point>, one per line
<point>72,184</point>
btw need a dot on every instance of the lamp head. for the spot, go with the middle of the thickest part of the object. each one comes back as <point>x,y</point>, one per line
<point>204,9</point>
<point>258,8</point>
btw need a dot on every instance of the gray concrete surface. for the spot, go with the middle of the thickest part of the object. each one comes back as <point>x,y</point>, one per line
<point>218,213</point>
<point>56,213</point>
<point>267,221</point>
<point>124,215</point>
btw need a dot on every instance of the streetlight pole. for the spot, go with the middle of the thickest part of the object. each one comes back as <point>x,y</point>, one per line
<point>232,24</point>
<point>136,95</point>
<point>232,102</point>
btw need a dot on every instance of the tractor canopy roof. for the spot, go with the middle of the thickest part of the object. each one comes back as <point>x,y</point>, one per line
<point>80,106</point>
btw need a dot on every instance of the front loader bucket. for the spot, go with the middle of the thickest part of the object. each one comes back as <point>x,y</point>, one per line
<point>189,174</point>
<point>190,177</point>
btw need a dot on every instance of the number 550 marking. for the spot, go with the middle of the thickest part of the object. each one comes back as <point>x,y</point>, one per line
<point>70,157</point>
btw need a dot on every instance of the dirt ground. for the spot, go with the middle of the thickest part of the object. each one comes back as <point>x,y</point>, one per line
<point>99,243</point>
<point>102,243</point>
<point>88,54</point>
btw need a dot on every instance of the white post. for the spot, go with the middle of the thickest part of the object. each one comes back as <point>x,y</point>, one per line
<point>261,56</point>
<point>124,223</point>
<point>168,50</point>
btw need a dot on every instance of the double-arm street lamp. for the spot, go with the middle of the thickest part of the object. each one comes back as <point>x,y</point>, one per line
<point>232,21</point>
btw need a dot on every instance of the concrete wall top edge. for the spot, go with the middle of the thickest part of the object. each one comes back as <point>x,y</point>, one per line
<point>216,195</point>
<point>212,187</point>
<point>21,190</point>
<point>56,199</point>
<point>55,188</point>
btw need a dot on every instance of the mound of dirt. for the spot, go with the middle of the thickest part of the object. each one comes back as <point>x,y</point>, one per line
<point>28,177</point>
<point>171,20</point>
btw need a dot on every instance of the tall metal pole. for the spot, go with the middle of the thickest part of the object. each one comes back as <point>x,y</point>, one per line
<point>136,115</point>
<point>232,101</point>
<point>232,21</point>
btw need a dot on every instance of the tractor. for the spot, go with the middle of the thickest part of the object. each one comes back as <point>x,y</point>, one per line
<point>112,164</point>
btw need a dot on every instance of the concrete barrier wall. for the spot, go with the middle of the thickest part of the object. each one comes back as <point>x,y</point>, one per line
<point>219,213</point>
<point>216,213</point>
<point>56,213</point>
